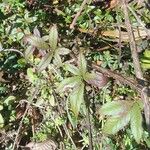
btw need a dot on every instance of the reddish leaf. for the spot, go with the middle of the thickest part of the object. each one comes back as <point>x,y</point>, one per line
<point>99,80</point>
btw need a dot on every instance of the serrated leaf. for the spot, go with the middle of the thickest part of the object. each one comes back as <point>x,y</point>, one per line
<point>77,98</point>
<point>53,37</point>
<point>29,51</point>
<point>71,68</point>
<point>72,119</point>
<point>82,64</point>
<point>57,60</point>
<point>114,124</point>
<point>1,121</point>
<point>136,122</point>
<point>36,32</point>
<point>114,108</point>
<point>45,61</point>
<point>68,83</point>
<point>63,51</point>
<point>37,42</point>
<point>44,145</point>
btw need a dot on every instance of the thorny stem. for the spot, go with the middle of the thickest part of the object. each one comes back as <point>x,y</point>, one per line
<point>136,63</point>
<point>87,102</point>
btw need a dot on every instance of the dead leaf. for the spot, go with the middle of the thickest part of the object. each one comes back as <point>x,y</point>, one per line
<point>1,77</point>
<point>99,81</point>
<point>45,145</point>
<point>139,33</point>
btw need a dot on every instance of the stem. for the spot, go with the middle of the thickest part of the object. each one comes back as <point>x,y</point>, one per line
<point>87,103</point>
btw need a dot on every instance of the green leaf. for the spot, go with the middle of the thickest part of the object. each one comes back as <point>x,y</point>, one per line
<point>82,64</point>
<point>77,98</point>
<point>57,60</point>
<point>136,122</point>
<point>114,108</point>
<point>63,51</point>
<point>32,77</point>
<point>8,100</point>
<point>145,66</point>
<point>147,53</point>
<point>1,107</point>
<point>1,121</point>
<point>72,119</point>
<point>114,124</point>
<point>71,68</point>
<point>45,61</point>
<point>68,83</point>
<point>29,51</point>
<point>22,62</point>
<point>53,37</point>
<point>89,76</point>
<point>37,42</point>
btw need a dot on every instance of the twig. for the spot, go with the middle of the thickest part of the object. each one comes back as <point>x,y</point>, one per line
<point>125,80</point>
<point>20,126</point>
<point>139,21</point>
<point>12,50</point>
<point>23,117</point>
<point>64,125</point>
<point>78,14</point>
<point>87,102</point>
<point>138,71</point>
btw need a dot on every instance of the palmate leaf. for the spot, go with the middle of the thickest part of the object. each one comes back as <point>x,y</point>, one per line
<point>136,122</point>
<point>77,98</point>
<point>53,37</point>
<point>115,108</point>
<point>37,42</point>
<point>45,62</point>
<point>68,83</point>
<point>114,124</point>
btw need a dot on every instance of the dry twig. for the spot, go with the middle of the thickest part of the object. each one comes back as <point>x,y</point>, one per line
<point>136,63</point>
<point>23,117</point>
<point>78,14</point>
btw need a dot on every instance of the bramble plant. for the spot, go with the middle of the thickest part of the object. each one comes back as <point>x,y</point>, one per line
<point>68,75</point>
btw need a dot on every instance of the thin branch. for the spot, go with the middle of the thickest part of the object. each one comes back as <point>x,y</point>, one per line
<point>78,14</point>
<point>138,71</point>
<point>136,63</point>
<point>88,121</point>
<point>12,50</point>
<point>60,113</point>
<point>125,80</point>
<point>23,117</point>
<point>139,21</point>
